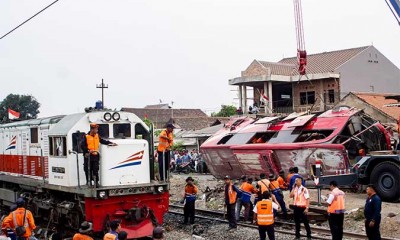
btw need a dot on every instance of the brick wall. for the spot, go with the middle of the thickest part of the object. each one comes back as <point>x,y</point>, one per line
<point>320,88</point>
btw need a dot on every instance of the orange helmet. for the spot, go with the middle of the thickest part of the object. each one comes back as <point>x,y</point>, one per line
<point>94,125</point>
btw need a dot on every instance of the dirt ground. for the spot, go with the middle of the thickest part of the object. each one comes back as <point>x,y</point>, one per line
<point>354,218</point>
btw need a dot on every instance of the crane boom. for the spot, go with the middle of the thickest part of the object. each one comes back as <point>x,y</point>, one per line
<point>301,45</point>
<point>394,6</point>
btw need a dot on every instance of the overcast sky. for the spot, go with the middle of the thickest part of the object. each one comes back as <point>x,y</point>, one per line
<point>177,51</point>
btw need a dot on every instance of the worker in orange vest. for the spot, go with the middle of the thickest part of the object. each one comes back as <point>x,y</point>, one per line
<point>264,216</point>
<point>115,228</point>
<point>277,192</point>
<point>289,176</point>
<point>165,142</point>
<point>247,189</point>
<point>301,204</point>
<point>90,147</point>
<point>230,202</point>
<point>21,217</point>
<point>281,180</point>
<point>336,211</point>
<point>189,199</point>
<point>85,232</point>
<point>263,184</point>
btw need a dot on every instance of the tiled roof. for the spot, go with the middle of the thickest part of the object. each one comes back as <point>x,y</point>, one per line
<point>379,101</point>
<point>160,117</point>
<point>280,68</point>
<point>326,61</point>
<point>191,123</point>
<point>158,106</point>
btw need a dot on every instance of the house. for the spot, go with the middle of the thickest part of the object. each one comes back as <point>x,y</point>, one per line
<point>186,119</point>
<point>330,76</point>
<point>383,107</point>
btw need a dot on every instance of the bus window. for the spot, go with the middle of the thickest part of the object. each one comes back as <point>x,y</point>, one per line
<point>308,136</point>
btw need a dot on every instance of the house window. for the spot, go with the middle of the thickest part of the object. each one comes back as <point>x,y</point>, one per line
<point>34,135</point>
<point>331,95</point>
<point>307,98</point>
<point>58,146</point>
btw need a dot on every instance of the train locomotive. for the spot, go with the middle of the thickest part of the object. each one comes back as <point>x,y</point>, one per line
<point>42,161</point>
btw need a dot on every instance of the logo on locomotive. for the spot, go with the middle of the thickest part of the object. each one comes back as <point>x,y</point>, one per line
<point>134,159</point>
<point>13,143</point>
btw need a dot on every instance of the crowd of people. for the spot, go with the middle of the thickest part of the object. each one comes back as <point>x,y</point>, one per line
<point>184,157</point>
<point>269,200</point>
<point>20,225</point>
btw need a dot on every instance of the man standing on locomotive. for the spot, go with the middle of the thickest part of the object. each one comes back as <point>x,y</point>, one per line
<point>165,142</point>
<point>90,148</point>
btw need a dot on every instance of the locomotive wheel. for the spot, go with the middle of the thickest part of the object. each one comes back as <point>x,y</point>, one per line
<point>385,177</point>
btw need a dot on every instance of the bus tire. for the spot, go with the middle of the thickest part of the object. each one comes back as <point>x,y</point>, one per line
<point>386,178</point>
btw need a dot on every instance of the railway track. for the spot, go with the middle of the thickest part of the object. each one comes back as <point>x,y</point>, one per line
<point>281,226</point>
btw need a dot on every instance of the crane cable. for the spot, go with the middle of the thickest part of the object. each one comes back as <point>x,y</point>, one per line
<point>29,19</point>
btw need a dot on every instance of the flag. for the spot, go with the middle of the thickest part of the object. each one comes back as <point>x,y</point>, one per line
<point>263,97</point>
<point>13,114</point>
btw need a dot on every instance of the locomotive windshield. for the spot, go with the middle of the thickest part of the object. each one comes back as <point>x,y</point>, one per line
<point>122,130</point>
<point>104,130</point>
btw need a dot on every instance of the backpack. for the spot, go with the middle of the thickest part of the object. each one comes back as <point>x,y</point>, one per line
<point>20,230</point>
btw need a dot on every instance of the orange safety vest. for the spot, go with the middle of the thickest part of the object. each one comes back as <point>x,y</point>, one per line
<point>299,199</point>
<point>337,205</point>
<point>282,183</point>
<point>264,184</point>
<point>288,177</point>
<point>274,185</point>
<point>109,236</point>
<point>247,187</point>
<point>164,144</point>
<point>16,218</point>
<point>265,215</point>
<point>93,142</point>
<point>79,236</point>
<point>232,194</point>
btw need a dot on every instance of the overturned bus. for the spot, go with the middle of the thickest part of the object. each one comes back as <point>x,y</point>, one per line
<point>247,146</point>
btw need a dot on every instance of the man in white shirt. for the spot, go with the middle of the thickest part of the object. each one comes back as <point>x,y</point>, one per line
<point>301,203</point>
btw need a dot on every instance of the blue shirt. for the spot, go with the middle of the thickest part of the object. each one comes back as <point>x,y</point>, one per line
<point>293,179</point>
<point>372,210</point>
<point>186,158</point>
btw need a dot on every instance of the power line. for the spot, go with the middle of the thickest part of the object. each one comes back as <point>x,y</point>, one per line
<point>29,19</point>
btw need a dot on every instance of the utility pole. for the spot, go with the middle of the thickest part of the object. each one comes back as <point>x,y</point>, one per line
<point>102,86</point>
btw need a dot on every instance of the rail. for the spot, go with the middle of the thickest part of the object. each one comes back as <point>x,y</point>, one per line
<point>200,213</point>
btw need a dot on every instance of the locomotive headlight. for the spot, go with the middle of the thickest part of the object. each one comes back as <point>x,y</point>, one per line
<point>103,194</point>
<point>160,189</point>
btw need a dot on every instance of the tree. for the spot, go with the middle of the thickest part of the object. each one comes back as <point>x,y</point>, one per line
<point>226,111</point>
<point>26,105</point>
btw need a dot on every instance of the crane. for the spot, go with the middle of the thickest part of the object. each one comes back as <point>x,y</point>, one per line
<point>301,48</point>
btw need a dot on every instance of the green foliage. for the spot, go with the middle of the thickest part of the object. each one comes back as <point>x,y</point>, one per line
<point>157,133</point>
<point>177,146</point>
<point>147,122</point>
<point>226,111</point>
<point>26,105</point>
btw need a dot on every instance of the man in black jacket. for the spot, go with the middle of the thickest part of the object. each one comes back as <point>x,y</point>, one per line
<point>90,148</point>
<point>372,213</point>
